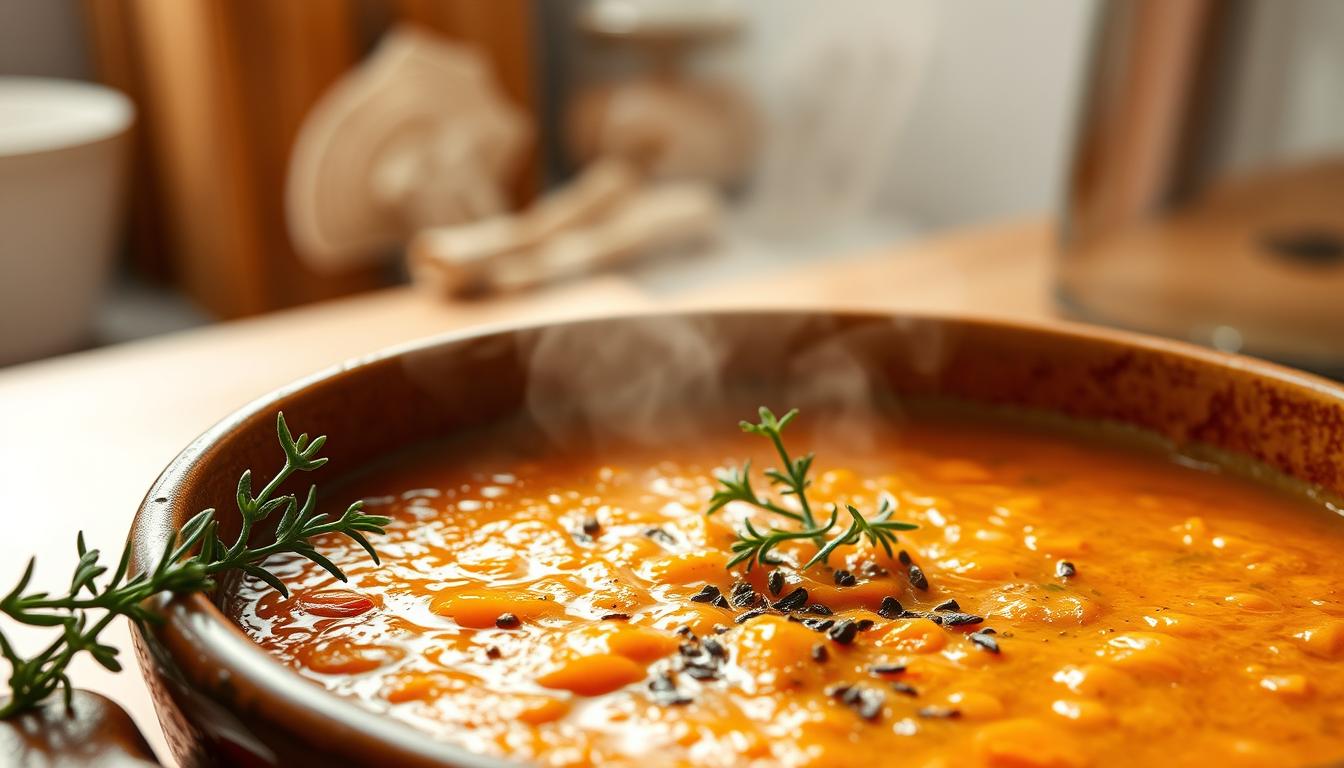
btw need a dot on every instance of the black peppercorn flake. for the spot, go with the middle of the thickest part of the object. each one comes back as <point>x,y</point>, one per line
<point>844,632</point>
<point>917,577</point>
<point>665,692</point>
<point>701,672</point>
<point>891,608</point>
<point>818,625</point>
<point>715,648</point>
<point>661,536</point>
<point>707,594</point>
<point>794,601</point>
<point>839,690</point>
<point>867,702</point>
<point>870,704</point>
<point>985,641</point>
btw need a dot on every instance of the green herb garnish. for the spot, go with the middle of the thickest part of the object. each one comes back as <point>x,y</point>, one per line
<point>754,546</point>
<point>33,679</point>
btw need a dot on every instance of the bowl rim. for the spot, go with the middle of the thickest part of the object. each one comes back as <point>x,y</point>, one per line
<point>88,113</point>
<point>200,634</point>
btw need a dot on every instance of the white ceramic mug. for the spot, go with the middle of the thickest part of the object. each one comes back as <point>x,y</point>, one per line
<point>62,160</point>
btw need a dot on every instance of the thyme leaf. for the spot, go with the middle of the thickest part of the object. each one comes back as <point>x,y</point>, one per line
<point>754,546</point>
<point>88,607</point>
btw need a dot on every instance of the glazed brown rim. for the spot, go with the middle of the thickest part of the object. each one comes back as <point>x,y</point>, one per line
<point>198,636</point>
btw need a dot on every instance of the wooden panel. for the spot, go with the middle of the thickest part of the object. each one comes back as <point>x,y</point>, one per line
<point>168,57</point>
<point>219,255</point>
<point>281,58</point>
<point>222,87</point>
<point>115,52</point>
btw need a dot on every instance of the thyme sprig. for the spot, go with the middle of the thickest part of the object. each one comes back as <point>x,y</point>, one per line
<point>754,546</point>
<point>88,607</point>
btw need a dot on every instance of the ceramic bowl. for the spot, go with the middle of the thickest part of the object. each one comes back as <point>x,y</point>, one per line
<point>62,166</point>
<point>223,701</point>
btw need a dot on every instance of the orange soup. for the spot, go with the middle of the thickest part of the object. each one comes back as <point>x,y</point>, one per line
<point>1062,603</point>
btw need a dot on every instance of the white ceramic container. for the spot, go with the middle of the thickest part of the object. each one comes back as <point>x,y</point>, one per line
<point>62,165</point>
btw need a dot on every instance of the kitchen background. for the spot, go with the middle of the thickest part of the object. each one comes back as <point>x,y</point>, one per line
<point>283,153</point>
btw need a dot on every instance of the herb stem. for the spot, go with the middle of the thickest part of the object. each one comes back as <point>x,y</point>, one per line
<point>32,680</point>
<point>754,546</point>
<point>798,485</point>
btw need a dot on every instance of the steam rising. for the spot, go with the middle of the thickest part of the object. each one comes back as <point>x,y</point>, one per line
<point>633,383</point>
<point>654,380</point>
